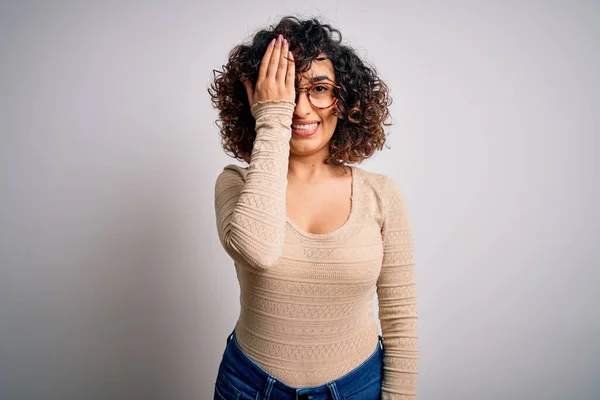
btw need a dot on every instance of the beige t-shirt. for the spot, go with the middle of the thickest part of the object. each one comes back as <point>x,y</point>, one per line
<point>306,299</point>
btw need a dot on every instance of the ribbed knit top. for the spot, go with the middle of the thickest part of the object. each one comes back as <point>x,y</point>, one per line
<point>306,299</point>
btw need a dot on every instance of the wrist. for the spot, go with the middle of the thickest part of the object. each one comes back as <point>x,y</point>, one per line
<point>281,107</point>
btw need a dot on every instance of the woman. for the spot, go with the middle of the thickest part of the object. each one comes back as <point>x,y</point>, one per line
<point>312,237</point>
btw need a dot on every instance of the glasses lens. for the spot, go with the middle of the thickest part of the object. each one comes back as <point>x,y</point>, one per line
<point>322,95</point>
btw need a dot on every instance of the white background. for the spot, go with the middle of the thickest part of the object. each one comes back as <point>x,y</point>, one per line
<point>113,283</point>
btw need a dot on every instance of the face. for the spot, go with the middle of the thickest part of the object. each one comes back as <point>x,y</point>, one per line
<point>306,138</point>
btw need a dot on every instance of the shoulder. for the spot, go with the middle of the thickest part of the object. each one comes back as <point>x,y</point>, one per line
<point>232,175</point>
<point>233,171</point>
<point>380,184</point>
<point>382,189</point>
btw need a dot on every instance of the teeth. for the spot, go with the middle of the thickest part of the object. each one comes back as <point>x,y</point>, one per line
<point>308,127</point>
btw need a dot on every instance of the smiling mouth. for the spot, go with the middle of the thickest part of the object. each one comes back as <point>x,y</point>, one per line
<point>305,130</point>
<point>305,127</point>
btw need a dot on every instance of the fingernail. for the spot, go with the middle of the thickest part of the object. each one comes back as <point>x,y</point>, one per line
<point>291,55</point>
<point>285,42</point>
<point>280,38</point>
<point>272,42</point>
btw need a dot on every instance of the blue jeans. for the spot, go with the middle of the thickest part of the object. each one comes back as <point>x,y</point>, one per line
<point>239,378</point>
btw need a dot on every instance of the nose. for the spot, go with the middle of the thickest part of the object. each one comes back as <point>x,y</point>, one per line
<point>303,106</point>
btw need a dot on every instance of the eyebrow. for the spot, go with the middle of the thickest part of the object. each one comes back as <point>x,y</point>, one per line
<point>320,78</point>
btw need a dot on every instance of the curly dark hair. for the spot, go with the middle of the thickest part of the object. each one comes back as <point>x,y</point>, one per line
<point>363,100</point>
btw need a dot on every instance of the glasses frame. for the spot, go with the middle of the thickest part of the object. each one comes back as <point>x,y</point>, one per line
<point>307,90</point>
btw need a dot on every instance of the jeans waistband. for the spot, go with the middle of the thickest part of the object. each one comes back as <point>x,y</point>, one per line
<point>273,388</point>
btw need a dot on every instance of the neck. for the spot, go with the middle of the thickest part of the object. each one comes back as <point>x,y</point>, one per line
<point>313,167</point>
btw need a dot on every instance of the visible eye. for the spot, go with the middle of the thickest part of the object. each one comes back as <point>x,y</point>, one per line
<point>320,89</point>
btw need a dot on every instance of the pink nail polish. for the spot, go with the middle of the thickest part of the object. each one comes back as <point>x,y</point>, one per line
<point>279,38</point>
<point>272,43</point>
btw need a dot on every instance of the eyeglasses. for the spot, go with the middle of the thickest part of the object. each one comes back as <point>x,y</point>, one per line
<point>320,95</point>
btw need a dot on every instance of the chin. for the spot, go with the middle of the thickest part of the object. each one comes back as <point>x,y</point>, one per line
<point>306,147</point>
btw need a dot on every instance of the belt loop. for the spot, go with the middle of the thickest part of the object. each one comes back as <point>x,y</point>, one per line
<point>334,392</point>
<point>381,340</point>
<point>230,336</point>
<point>268,387</point>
